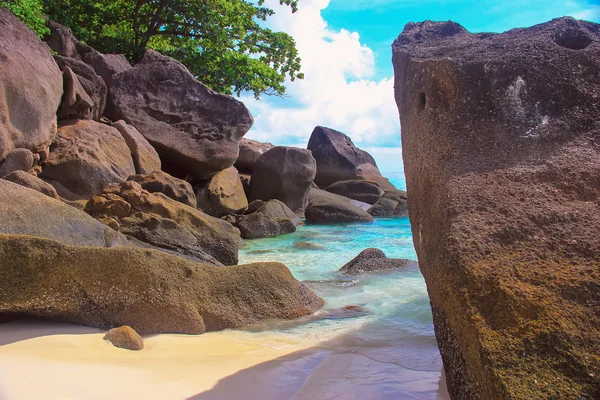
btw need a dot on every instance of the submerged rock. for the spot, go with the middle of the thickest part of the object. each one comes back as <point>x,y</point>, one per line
<point>31,88</point>
<point>373,260</point>
<point>502,159</point>
<point>338,159</point>
<point>148,290</point>
<point>308,246</point>
<point>328,208</point>
<point>392,203</point>
<point>125,337</point>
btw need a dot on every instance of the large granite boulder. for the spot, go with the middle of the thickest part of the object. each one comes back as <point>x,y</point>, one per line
<point>502,159</point>
<point>151,291</point>
<point>365,191</point>
<point>374,260</point>
<point>266,219</point>
<point>86,157</point>
<point>145,158</point>
<point>189,125</point>
<point>106,65</point>
<point>161,182</point>
<point>158,220</point>
<point>338,159</point>
<point>31,88</point>
<point>392,203</point>
<point>250,150</point>
<point>329,208</point>
<point>223,194</point>
<point>25,211</point>
<point>29,181</point>
<point>91,83</point>
<point>284,173</point>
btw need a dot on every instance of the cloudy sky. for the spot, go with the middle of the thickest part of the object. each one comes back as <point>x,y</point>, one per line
<point>345,46</point>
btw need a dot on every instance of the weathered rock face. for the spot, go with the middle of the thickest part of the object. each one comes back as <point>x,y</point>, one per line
<point>86,157</point>
<point>223,194</point>
<point>76,103</point>
<point>163,222</point>
<point>106,65</point>
<point>365,191</point>
<point>250,150</point>
<point>125,337</point>
<point>501,153</point>
<point>18,160</point>
<point>63,42</point>
<point>285,174</point>
<point>150,291</point>
<point>190,125</point>
<point>338,159</point>
<point>328,208</point>
<point>26,212</point>
<point>392,203</point>
<point>145,158</point>
<point>266,219</point>
<point>30,88</point>
<point>374,260</point>
<point>29,181</point>
<point>91,83</point>
<point>161,182</point>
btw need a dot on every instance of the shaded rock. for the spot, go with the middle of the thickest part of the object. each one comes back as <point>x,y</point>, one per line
<point>188,124</point>
<point>30,88</point>
<point>18,160</point>
<point>255,205</point>
<point>328,208</point>
<point>27,212</point>
<point>125,337</point>
<point>308,246</point>
<point>63,42</point>
<point>150,291</point>
<point>364,191</point>
<point>161,182</point>
<point>91,83</point>
<point>145,158</point>
<point>373,260</point>
<point>266,219</point>
<point>250,150</point>
<point>163,222</point>
<point>499,141</point>
<point>245,179</point>
<point>75,101</point>
<point>86,157</point>
<point>285,174</point>
<point>106,65</point>
<point>393,202</point>
<point>223,194</point>
<point>338,159</point>
<point>29,181</point>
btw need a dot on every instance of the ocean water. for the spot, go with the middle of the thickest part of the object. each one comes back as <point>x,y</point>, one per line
<point>386,350</point>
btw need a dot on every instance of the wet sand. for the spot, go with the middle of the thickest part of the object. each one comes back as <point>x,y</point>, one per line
<point>42,360</point>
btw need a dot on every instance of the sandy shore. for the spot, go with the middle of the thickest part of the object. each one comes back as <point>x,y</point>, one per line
<point>41,360</point>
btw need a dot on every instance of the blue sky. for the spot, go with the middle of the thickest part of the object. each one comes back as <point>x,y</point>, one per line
<point>346,54</point>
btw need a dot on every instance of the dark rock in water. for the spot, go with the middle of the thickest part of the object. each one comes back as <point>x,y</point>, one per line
<point>328,208</point>
<point>29,181</point>
<point>308,246</point>
<point>502,159</point>
<point>163,222</point>
<point>285,174</point>
<point>338,159</point>
<point>18,160</point>
<point>191,126</point>
<point>271,218</point>
<point>91,83</point>
<point>25,211</point>
<point>392,203</point>
<point>75,103</point>
<point>250,150</point>
<point>86,157</point>
<point>150,291</point>
<point>30,88</point>
<point>161,182</point>
<point>364,191</point>
<point>145,158</point>
<point>125,337</point>
<point>373,260</point>
<point>267,251</point>
<point>223,194</point>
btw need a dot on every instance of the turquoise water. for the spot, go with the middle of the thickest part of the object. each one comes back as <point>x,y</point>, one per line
<point>387,352</point>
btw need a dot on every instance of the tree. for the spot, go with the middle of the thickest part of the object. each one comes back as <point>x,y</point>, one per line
<point>222,42</point>
<point>30,12</point>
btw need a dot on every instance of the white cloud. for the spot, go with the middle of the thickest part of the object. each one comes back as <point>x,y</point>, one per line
<point>337,91</point>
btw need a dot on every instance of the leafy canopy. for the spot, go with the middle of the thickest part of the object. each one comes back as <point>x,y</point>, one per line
<point>30,12</point>
<point>221,42</point>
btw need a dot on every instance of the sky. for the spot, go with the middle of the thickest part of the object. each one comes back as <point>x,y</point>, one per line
<point>345,46</point>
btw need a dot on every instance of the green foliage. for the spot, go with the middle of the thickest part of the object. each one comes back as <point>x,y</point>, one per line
<point>30,12</point>
<point>221,42</point>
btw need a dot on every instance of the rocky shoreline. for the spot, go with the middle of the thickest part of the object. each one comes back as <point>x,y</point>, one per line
<point>125,190</point>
